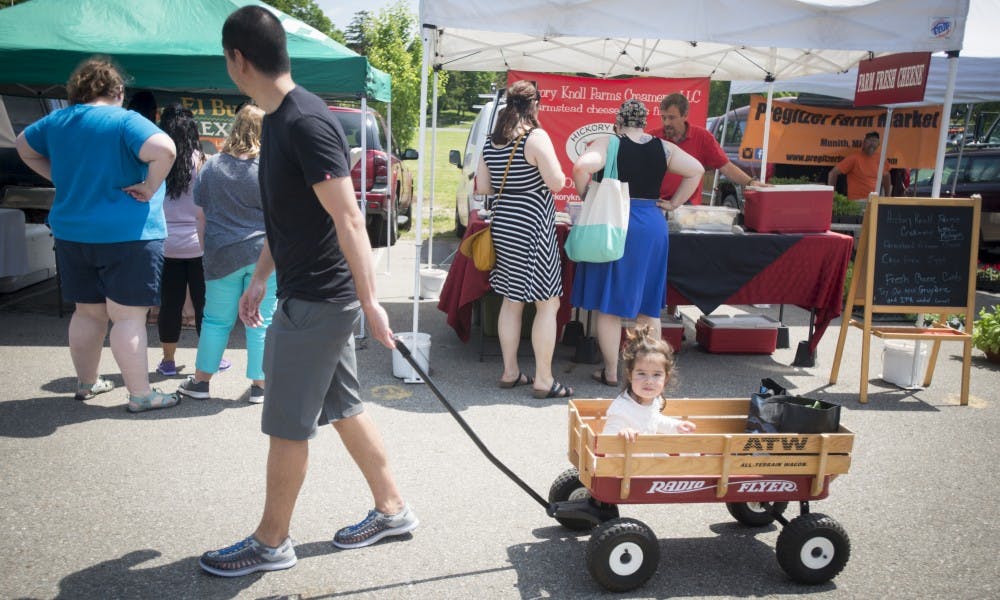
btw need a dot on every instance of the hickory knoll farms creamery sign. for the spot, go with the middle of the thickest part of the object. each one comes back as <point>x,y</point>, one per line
<point>575,111</point>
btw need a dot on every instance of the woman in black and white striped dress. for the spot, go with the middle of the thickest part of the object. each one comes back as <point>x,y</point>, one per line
<point>524,235</point>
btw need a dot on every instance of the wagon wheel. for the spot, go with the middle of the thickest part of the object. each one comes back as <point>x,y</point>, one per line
<point>622,554</point>
<point>813,548</point>
<point>755,514</point>
<point>567,487</point>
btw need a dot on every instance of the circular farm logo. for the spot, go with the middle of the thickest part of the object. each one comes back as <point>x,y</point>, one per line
<point>578,140</point>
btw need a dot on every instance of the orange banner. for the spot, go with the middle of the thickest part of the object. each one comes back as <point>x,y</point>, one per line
<point>814,135</point>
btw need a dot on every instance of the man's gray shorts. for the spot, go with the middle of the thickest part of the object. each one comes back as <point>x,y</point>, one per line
<point>310,366</point>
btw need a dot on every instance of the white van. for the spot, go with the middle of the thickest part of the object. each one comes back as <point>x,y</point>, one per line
<point>466,199</point>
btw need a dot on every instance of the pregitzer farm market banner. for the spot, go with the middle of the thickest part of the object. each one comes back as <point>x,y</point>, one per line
<point>576,110</point>
<point>823,136</point>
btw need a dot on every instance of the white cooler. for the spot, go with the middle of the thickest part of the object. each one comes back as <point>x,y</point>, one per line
<point>27,252</point>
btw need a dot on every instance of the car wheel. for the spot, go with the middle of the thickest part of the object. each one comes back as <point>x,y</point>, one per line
<point>459,228</point>
<point>377,232</point>
<point>407,217</point>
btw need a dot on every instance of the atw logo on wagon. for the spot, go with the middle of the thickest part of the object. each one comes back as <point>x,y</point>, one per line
<point>770,486</point>
<point>764,443</point>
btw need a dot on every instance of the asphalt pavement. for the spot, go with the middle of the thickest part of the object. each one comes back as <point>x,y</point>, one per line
<point>96,502</point>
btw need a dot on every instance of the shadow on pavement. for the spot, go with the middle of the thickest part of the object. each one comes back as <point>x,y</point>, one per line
<point>743,566</point>
<point>124,578</point>
<point>43,416</point>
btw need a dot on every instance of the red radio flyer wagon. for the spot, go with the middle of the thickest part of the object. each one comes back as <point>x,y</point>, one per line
<point>756,475</point>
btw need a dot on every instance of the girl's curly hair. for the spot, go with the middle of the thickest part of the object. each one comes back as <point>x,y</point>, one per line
<point>639,342</point>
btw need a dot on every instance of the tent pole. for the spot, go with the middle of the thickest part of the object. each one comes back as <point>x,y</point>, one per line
<point>434,129</point>
<point>885,151</point>
<point>418,243</point>
<point>961,149</point>
<point>722,140</point>
<point>364,184</point>
<point>767,128</point>
<point>394,198</point>
<point>949,94</point>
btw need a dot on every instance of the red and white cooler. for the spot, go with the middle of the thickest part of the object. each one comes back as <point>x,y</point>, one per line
<point>737,334</point>
<point>806,208</point>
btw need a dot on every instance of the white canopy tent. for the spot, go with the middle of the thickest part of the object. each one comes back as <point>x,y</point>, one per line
<point>721,39</point>
<point>977,81</point>
<point>977,73</point>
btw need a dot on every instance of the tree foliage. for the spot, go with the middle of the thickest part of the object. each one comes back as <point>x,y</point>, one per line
<point>393,45</point>
<point>464,87</point>
<point>310,13</point>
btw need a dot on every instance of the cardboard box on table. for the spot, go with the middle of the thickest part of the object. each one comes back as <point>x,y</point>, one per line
<point>738,334</point>
<point>788,208</point>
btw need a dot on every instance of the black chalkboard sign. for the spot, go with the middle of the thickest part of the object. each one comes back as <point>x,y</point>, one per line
<point>921,255</point>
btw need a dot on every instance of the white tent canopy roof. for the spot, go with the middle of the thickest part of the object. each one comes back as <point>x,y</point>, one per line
<point>721,39</point>
<point>978,68</point>
<point>977,82</point>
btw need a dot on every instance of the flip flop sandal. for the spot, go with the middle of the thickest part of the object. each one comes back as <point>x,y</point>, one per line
<point>522,379</point>
<point>603,378</point>
<point>86,392</point>
<point>557,390</point>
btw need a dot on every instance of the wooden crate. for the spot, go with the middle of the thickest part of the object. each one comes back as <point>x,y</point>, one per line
<point>718,463</point>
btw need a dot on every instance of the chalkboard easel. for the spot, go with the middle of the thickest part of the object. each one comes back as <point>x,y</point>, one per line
<point>915,255</point>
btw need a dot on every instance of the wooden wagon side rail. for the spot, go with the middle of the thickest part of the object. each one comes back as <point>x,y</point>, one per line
<point>721,449</point>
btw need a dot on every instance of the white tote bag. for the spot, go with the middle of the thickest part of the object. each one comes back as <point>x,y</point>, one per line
<point>599,234</point>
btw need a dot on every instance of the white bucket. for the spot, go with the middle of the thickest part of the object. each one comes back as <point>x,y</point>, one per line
<point>419,345</point>
<point>901,365</point>
<point>431,282</point>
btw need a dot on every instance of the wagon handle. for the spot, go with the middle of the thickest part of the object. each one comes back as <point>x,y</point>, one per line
<point>468,430</point>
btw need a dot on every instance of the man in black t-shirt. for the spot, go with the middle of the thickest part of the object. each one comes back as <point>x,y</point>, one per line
<point>317,243</point>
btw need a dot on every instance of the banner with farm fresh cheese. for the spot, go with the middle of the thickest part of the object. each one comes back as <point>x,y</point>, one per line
<point>576,110</point>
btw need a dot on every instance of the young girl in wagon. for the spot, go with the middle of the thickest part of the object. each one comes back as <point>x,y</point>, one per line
<point>648,366</point>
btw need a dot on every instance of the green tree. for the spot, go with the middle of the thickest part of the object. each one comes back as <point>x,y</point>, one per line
<point>393,45</point>
<point>355,32</point>
<point>464,87</point>
<point>310,13</point>
<point>9,3</point>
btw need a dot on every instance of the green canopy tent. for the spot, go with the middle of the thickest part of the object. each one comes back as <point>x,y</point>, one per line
<point>164,45</point>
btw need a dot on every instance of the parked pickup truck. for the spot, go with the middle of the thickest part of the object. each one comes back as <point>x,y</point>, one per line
<point>389,203</point>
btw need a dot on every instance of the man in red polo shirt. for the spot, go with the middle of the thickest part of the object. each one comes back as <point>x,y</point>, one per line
<point>697,142</point>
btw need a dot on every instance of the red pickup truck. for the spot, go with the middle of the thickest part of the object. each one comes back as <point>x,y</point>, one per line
<point>389,201</point>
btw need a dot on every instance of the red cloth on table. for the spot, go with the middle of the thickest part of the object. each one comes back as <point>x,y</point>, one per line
<point>465,284</point>
<point>810,274</point>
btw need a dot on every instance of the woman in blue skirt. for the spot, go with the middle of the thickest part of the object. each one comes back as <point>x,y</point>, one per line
<point>634,286</point>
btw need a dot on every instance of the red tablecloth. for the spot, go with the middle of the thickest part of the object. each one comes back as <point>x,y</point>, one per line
<point>809,273</point>
<point>465,284</point>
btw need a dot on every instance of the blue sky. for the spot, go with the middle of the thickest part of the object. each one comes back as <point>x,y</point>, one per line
<point>342,11</point>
